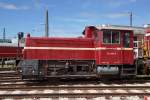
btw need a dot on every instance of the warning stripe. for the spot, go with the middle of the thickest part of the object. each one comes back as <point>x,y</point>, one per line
<point>66,48</point>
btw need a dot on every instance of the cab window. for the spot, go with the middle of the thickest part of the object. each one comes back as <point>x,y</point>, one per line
<point>106,36</point>
<point>112,37</point>
<point>126,40</point>
<point>115,37</point>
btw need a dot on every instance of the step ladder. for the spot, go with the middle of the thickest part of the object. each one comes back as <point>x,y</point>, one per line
<point>128,71</point>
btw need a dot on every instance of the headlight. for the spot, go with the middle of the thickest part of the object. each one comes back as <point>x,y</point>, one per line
<point>33,71</point>
<point>20,71</point>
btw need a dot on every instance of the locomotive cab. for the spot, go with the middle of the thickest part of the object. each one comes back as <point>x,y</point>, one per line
<point>114,50</point>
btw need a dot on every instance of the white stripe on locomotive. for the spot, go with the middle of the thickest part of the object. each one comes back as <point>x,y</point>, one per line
<point>66,48</point>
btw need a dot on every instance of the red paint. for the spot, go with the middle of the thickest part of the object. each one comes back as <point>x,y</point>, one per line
<point>102,57</point>
<point>59,54</point>
<point>9,52</point>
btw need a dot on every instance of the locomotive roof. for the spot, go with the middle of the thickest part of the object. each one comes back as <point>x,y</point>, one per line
<point>11,45</point>
<point>136,30</point>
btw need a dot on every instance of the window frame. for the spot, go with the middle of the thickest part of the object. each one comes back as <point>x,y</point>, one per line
<point>111,32</point>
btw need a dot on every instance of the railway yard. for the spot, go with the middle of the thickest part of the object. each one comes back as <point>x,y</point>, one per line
<point>12,87</point>
<point>83,71</point>
<point>108,62</point>
<point>92,50</point>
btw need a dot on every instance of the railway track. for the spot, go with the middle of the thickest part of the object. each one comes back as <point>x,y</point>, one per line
<point>72,93</point>
<point>69,87</point>
<point>11,86</point>
<point>69,95</point>
<point>64,91</point>
<point>47,84</point>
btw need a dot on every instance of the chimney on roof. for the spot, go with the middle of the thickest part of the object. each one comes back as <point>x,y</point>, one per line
<point>46,24</point>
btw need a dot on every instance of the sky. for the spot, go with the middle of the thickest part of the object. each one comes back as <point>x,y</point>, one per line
<point>68,18</point>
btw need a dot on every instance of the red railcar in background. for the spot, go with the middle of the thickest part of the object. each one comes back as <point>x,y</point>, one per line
<point>10,52</point>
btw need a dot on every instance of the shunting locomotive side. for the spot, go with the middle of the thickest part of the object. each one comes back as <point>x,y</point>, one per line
<point>102,51</point>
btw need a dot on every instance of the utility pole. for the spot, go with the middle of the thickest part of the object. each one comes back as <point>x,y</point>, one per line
<point>130,14</point>
<point>4,34</point>
<point>46,24</point>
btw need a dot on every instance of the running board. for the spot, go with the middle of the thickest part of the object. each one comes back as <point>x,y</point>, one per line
<point>71,76</point>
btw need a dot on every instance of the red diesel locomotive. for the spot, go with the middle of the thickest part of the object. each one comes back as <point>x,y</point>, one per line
<point>102,51</point>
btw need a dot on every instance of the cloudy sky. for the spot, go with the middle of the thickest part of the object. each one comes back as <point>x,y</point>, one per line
<point>68,17</point>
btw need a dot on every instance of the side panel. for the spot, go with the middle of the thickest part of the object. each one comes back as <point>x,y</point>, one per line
<point>59,54</point>
<point>59,49</point>
<point>128,57</point>
<point>110,57</point>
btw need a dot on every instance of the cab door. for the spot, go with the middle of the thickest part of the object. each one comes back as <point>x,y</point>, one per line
<point>127,49</point>
<point>110,48</point>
